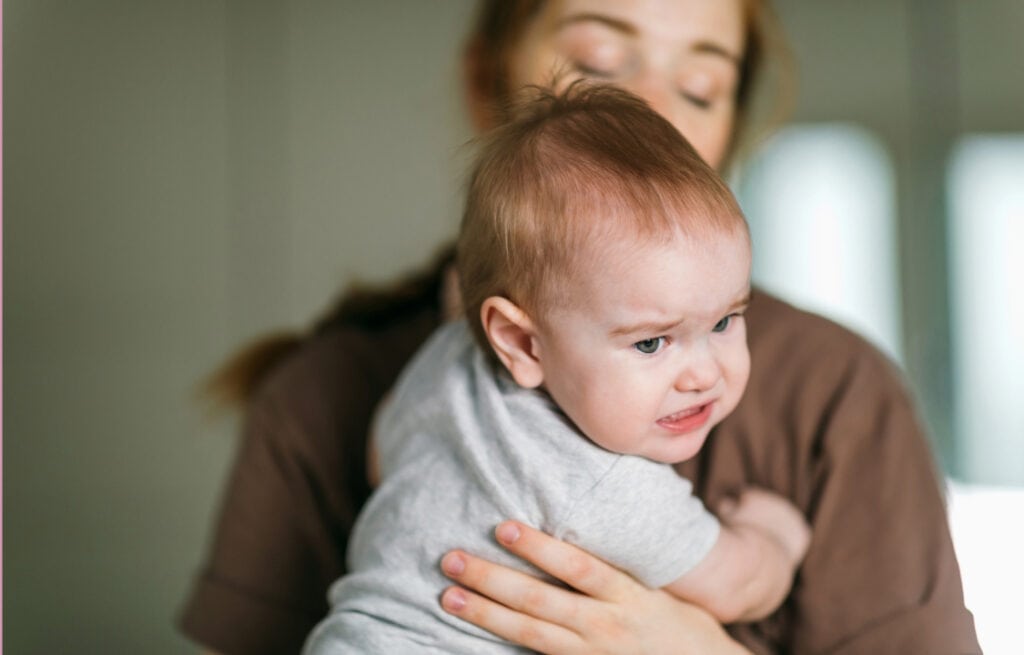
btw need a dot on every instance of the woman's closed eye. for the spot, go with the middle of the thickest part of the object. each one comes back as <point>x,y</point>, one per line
<point>702,88</point>
<point>650,346</point>
<point>608,65</point>
<point>593,51</point>
<point>697,101</point>
<point>593,72</point>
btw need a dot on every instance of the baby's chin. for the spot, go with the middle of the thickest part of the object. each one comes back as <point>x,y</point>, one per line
<point>678,448</point>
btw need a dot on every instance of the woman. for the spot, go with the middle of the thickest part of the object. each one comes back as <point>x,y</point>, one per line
<point>825,420</point>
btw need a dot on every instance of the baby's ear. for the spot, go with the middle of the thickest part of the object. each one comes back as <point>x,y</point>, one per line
<point>512,336</point>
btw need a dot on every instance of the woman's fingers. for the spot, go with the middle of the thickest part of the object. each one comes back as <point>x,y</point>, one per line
<point>522,629</point>
<point>612,614</point>
<point>574,566</point>
<point>514,589</point>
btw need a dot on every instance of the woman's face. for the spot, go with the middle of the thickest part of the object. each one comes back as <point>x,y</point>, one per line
<point>682,56</point>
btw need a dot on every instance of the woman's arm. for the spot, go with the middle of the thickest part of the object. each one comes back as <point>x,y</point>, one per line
<point>606,611</point>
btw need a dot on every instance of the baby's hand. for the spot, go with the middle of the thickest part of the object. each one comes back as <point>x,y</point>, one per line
<point>772,515</point>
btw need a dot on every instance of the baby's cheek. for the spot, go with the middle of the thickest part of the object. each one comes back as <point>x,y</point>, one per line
<point>603,424</point>
<point>735,361</point>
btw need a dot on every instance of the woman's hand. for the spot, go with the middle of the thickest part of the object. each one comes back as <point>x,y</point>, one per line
<point>609,613</point>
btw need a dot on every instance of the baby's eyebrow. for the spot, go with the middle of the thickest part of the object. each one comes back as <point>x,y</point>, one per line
<point>741,303</point>
<point>658,327</point>
<point>646,327</point>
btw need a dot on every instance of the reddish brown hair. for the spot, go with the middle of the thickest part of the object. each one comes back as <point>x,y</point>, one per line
<point>593,165</point>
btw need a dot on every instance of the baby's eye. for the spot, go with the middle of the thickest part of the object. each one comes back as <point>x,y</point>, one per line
<point>723,324</point>
<point>649,346</point>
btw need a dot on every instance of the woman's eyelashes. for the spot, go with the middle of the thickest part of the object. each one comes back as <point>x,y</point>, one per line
<point>697,101</point>
<point>593,72</point>
<point>602,63</point>
<point>701,88</point>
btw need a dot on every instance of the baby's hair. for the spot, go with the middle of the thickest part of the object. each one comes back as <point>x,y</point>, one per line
<point>592,164</point>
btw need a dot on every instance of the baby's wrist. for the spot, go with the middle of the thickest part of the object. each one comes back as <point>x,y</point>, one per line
<point>770,544</point>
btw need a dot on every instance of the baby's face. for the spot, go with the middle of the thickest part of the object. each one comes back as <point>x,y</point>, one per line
<point>652,353</point>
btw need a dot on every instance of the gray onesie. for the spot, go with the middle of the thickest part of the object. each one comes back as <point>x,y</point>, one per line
<point>462,447</point>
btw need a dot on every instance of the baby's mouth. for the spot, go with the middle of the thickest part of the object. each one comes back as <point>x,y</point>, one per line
<point>696,409</point>
<point>687,420</point>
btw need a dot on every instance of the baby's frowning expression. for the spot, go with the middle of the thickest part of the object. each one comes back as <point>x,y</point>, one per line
<point>651,352</point>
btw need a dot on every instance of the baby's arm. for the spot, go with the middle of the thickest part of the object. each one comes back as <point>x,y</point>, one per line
<point>749,571</point>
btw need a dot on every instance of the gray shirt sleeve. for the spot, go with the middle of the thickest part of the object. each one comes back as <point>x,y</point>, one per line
<point>642,517</point>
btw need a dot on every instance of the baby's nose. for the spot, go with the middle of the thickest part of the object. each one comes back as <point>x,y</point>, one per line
<point>699,373</point>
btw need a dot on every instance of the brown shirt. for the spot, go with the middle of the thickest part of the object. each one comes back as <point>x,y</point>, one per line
<point>825,421</point>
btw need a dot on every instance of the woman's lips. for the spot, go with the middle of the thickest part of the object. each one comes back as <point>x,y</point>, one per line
<point>687,420</point>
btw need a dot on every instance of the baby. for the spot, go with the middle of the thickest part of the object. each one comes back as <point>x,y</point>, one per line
<point>604,270</point>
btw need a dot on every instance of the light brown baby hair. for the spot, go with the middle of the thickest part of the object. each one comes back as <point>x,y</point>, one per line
<point>592,164</point>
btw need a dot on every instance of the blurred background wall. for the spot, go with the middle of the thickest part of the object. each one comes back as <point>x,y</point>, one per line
<point>182,176</point>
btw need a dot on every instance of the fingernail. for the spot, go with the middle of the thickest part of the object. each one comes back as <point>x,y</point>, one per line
<point>507,533</point>
<point>453,600</point>
<point>453,564</point>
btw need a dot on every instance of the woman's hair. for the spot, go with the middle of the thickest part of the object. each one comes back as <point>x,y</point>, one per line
<point>591,167</point>
<point>495,35</point>
<point>359,306</point>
